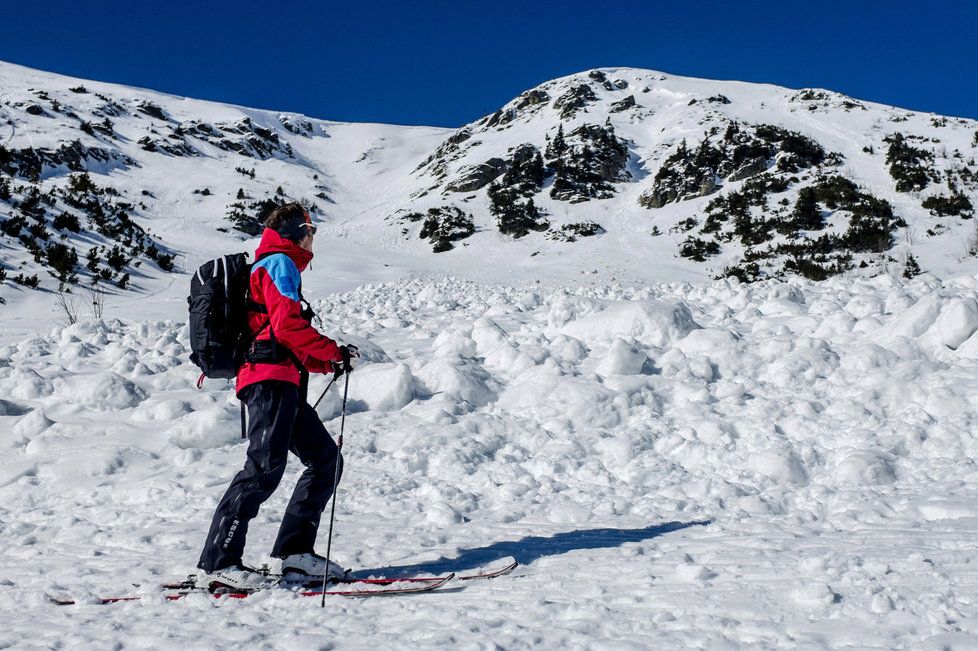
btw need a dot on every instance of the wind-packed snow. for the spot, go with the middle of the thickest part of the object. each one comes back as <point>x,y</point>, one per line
<point>710,465</point>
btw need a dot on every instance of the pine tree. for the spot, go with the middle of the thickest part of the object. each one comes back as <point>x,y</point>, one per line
<point>557,147</point>
<point>807,214</point>
<point>911,268</point>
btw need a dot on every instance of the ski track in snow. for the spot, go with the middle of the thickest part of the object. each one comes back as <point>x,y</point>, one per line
<point>717,465</point>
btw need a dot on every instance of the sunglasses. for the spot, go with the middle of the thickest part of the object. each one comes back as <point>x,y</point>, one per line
<point>312,228</point>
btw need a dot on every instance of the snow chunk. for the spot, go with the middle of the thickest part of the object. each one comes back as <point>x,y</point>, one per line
<point>32,424</point>
<point>916,320</point>
<point>26,385</point>
<point>865,468</point>
<point>652,323</point>
<point>707,341</point>
<point>784,467</point>
<point>459,380</point>
<point>815,595</point>
<point>488,336</point>
<point>956,322</point>
<point>567,309</point>
<point>103,392</point>
<point>623,358</point>
<point>383,387</point>
<point>212,428</point>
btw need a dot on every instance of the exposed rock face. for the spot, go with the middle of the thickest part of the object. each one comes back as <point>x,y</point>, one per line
<point>152,110</point>
<point>174,147</point>
<point>532,98</point>
<point>297,125</point>
<point>623,105</point>
<point>501,117</point>
<point>574,100</point>
<point>30,162</point>
<point>478,176</point>
<point>814,99</point>
<point>571,232</point>
<point>437,163</point>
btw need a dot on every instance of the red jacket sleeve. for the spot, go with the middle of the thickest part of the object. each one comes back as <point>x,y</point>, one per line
<point>315,350</point>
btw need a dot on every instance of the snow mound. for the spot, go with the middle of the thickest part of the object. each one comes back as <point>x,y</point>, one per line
<point>623,358</point>
<point>383,387</point>
<point>652,323</point>
<point>957,321</point>
<point>102,392</point>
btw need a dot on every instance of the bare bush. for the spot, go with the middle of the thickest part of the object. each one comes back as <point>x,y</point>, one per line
<point>67,306</point>
<point>96,302</point>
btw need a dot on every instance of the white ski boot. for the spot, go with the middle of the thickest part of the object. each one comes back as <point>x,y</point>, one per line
<point>236,577</point>
<point>310,565</point>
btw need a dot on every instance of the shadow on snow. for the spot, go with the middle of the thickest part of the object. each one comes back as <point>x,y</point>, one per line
<point>528,549</point>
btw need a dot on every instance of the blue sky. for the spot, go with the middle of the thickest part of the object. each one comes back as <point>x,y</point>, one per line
<point>447,63</point>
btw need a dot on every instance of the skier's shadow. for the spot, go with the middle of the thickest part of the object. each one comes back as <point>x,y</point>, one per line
<point>528,549</point>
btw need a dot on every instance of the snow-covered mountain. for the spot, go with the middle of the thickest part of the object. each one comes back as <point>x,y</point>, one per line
<point>628,174</point>
<point>713,464</point>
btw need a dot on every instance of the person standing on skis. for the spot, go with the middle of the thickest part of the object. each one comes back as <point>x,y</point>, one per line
<point>272,384</point>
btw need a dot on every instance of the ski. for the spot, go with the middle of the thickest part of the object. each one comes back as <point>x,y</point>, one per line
<point>377,592</point>
<point>482,574</point>
<point>313,582</point>
<point>492,574</point>
<point>308,588</point>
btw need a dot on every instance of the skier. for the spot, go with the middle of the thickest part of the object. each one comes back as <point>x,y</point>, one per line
<point>272,384</point>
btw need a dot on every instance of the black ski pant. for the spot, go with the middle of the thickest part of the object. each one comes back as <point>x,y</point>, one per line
<point>278,422</point>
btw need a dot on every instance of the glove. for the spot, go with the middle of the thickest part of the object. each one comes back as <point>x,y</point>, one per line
<point>307,313</point>
<point>350,355</point>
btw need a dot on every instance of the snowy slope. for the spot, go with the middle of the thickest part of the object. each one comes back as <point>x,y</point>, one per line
<point>709,465</point>
<point>362,179</point>
<point>677,461</point>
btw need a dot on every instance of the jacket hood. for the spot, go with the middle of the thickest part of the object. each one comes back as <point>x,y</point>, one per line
<point>272,242</point>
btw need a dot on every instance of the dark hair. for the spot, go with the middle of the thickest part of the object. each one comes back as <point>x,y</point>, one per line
<point>282,217</point>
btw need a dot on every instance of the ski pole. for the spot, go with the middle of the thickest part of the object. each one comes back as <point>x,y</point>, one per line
<point>336,481</point>
<point>323,394</point>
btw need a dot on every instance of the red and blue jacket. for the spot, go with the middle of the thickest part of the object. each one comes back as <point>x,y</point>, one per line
<point>275,284</point>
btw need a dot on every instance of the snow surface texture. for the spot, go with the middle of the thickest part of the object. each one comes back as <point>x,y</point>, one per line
<point>714,465</point>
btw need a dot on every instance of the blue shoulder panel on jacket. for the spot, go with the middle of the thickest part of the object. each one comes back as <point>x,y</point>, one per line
<point>283,273</point>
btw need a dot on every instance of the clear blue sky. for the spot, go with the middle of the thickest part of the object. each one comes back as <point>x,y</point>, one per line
<point>447,63</point>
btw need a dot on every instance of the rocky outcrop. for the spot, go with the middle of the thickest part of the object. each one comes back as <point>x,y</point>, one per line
<point>74,156</point>
<point>476,177</point>
<point>297,125</point>
<point>574,100</point>
<point>451,149</point>
<point>532,98</point>
<point>623,105</point>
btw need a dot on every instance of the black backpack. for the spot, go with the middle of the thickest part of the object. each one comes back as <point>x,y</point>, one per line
<point>218,315</point>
